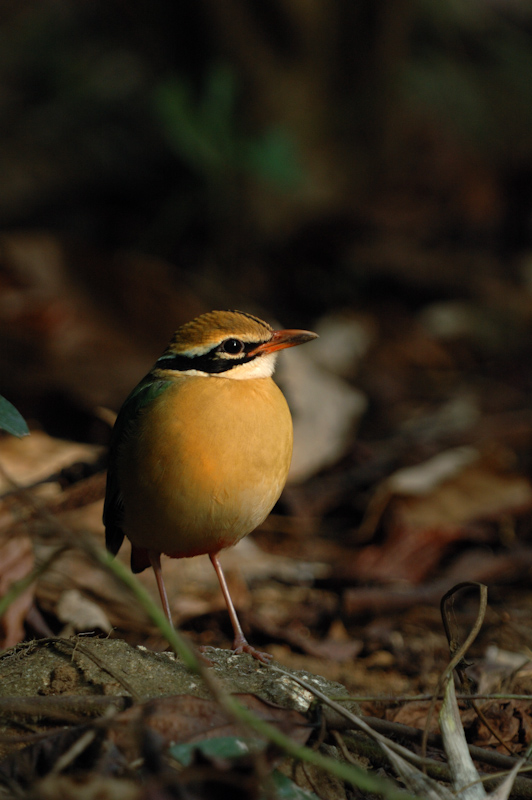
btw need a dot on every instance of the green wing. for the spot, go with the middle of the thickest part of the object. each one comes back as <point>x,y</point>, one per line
<point>113,510</point>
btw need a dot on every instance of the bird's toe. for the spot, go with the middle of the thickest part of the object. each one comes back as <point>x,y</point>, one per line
<point>245,647</point>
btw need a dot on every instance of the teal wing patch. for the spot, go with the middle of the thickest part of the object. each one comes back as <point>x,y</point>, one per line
<point>113,510</point>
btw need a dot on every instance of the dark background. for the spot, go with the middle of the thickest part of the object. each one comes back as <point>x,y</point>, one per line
<point>293,159</point>
<point>300,155</point>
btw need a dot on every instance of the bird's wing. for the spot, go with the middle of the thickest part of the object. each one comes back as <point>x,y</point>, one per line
<point>113,510</point>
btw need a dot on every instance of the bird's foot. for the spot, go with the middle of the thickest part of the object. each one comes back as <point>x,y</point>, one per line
<point>243,646</point>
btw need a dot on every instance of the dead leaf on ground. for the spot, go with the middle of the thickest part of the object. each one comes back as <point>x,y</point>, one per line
<point>16,562</point>
<point>326,411</point>
<point>499,670</point>
<point>415,714</point>
<point>184,719</point>
<point>420,527</point>
<point>502,718</point>
<point>38,457</point>
<point>80,614</point>
<point>475,564</point>
<point>25,462</point>
<point>298,636</point>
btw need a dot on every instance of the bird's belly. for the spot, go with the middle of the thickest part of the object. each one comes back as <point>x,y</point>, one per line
<point>208,465</point>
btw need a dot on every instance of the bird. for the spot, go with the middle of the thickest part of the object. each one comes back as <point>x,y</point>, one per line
<point>201,448</point>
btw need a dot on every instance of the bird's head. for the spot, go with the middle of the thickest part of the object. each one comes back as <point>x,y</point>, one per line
<point>227,344</point>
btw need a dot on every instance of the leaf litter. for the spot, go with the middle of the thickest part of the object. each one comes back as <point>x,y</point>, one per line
<point>345,576</point>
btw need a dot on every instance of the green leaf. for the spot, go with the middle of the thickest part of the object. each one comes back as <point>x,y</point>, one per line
<point>188,128</point>
<point>233,747</point>
<point>274,157</point>
<point>286,789</point>
<point>10,419</point>
<point>226,747</point>
<point>218,109</point>
<point>206,131</point>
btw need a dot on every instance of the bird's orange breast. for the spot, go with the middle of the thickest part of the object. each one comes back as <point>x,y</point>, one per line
<point>205,465</point>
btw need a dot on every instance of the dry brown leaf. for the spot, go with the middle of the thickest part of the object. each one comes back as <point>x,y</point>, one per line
<point>35,458</point>
<point>183,719</point>
<point>504,722</point>
<point>298,636</point>
<point>415,715</point>
<point>16,561</point>
<point>408,554</point>
<point>81,614</point>
<point>523,712</point>
<point>478,492</point>
<point>420,528</point>
<point>326,410</point>
<point>474,564</point>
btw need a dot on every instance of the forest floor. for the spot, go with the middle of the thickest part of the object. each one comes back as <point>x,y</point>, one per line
<point>411,476</point>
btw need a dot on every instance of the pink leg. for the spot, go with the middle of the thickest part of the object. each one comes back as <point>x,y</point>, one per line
<point>155,561</point>
<point>240,643</point>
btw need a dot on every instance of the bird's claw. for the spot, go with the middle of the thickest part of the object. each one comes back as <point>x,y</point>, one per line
<point>245,647</point>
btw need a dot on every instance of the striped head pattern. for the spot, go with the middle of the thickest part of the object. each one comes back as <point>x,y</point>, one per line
<point>227,344</point>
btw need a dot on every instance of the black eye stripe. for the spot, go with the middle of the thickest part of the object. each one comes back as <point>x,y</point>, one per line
<point>207,363</point>
<point>213,362</point>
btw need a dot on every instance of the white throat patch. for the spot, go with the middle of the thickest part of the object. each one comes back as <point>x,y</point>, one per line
<point>261,367</point>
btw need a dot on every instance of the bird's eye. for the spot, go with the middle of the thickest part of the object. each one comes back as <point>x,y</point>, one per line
<point>232,346</point>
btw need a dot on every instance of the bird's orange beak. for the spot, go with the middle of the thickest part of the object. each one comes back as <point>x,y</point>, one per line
<point>282,339</point>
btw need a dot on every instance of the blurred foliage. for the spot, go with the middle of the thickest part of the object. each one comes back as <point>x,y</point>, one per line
<point>469,71</point>
<point>205,133</point>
